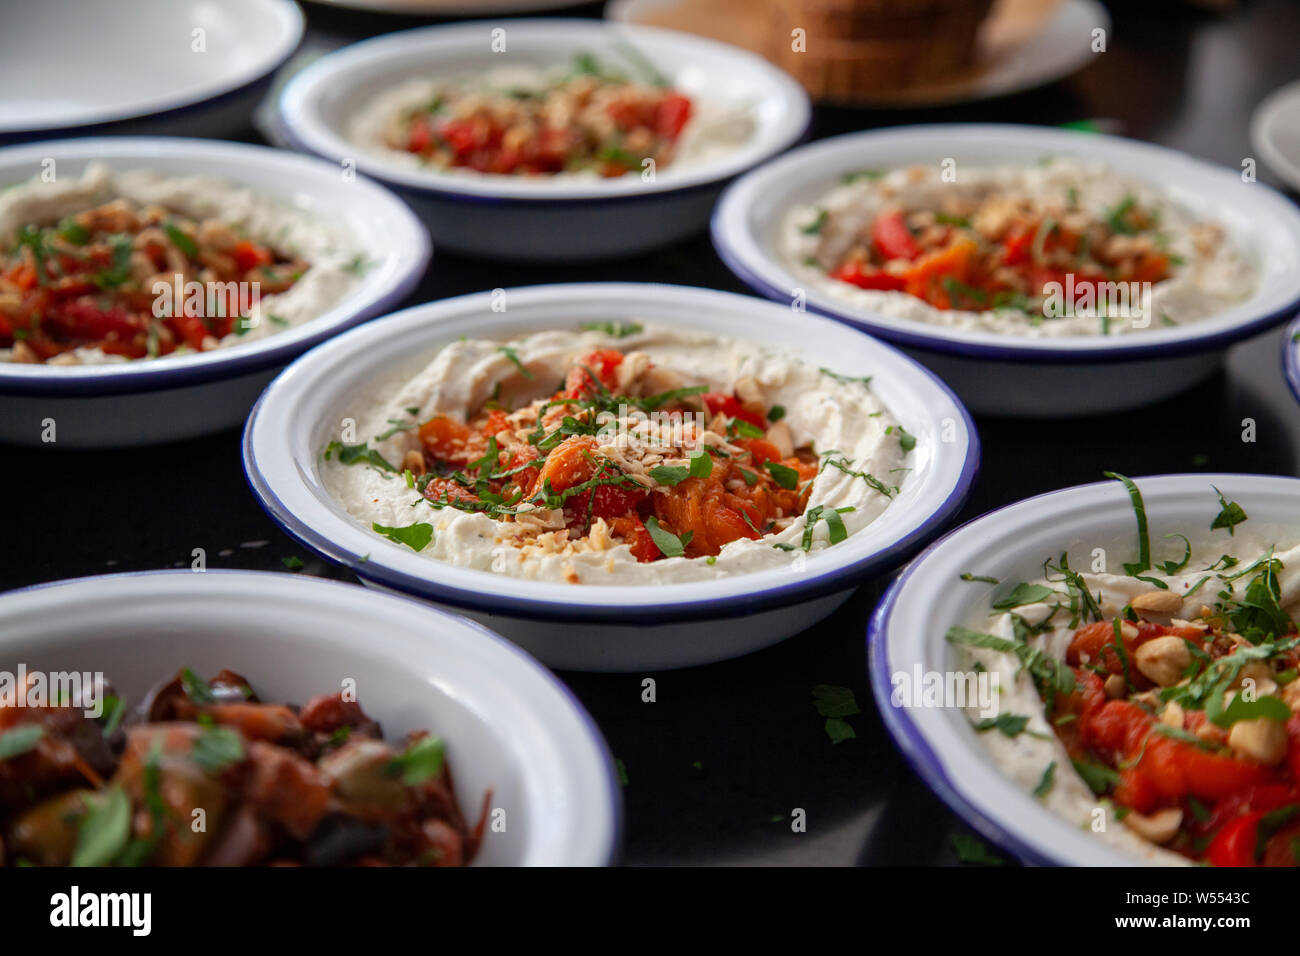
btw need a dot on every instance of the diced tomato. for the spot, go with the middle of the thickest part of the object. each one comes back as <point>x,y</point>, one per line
<point>864,277</point>
<point>191,328</point>
<point>446,440</point>
<point>420,138</point>
<point>720,404</point>
<point>925,279</point>
<point>250,255</point>
<point>761,450</point>
<point>602,363</point>
<point>633,533</point>
<point>1235,844</point>
<point>892,238</point>
<point>673,113</point>
<point>1016,248</point>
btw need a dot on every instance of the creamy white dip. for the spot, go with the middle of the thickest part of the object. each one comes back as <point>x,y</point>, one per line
<point>843,416</point>
<point>335,259</point>
<point>1025,757</point>
<point>1203,285</point>
<point>716,127</point>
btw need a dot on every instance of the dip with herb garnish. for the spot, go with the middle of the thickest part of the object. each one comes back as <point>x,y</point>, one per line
<point>1154,704</point>
<point>119,265</point>
<point>1060,248</point>
<point>583,118</point>
<point>621,453</point>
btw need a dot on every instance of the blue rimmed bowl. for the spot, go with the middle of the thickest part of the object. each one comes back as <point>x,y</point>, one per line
<point>597,627</point>
<point>511,728</point>
<point>1019,375</point>
<point>544,218</point>
<point>906,636</point>
<point>142,67</point>
<point>174,397</point>
<point>1291,358</point>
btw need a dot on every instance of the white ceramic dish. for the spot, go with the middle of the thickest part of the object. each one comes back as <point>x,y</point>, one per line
<point>1275,133</point>
<point>1006,375</point>
<point>450,8</point>
<point>141,66</point>
<point>595,627</point>
<point>510,726</point>
<point>1291,358</point>
<point>540,218</point>
<point>155,400</point>
<point>1058,47</point>
<point>907,631</point>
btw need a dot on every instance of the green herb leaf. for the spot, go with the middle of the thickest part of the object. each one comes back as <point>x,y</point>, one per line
<point>1011,725</point>
<point>181,240</point>
<point>669,545</point>
<point>783,475</point>
<point>1024,594</point>
<point>415,536</point>
<point>1048,780</point>
<point>104,830</point>
<point>217,748</point>
<point>20,740</point>
<point>421,761</point>
<point>357,454</point>
<point>670,475</point>
<point>1230,516</point>
<point>831,700</point>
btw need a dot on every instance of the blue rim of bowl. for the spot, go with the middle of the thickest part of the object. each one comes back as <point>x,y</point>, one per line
<point>1291,358</point>
<point>720,608</point>
<point>17,137</point>
<point>624,203</point>
<point>285,128</point>
<point>916,750</point>
<point>613,788</point>
<point>909,740</point>
<point>147,376</point>
<point>941,345</point>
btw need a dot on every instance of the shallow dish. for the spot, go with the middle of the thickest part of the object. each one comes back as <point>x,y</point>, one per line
<point>509,725</point>
<point>1018,375</point>
<point>1275,133</point>
<point>907,631</point>
<point>154,400</point>
<point>1291,358</point>
<point>216,67</point>
<point>607,627</point>
<point>540,218</point>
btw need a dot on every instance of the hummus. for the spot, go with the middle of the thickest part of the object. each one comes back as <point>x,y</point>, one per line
<point>325,262</point>
<point>1096,225</point>
<point>855,453</point>
<point>532,121</point>
<point>1193,604</point>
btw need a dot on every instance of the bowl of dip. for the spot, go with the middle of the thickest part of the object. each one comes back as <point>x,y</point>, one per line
<point>546,140</point>
<point>1040,272</point>
<point>613,554</point>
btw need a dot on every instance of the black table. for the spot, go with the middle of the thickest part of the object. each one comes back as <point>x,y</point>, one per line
<point>716,766</point>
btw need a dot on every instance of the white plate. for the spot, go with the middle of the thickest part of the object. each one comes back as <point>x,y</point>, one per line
<point>71,65</point>
<point>1010,375</point>
<point>908,631</point>
<point>596,627</point>
<point>451,8</point>
<point>1291,358</point>
<point>1056,49</point>
<point>543,218</point>
<point>1275,133</point>
<point>509,725</point>
<point>152,400</point>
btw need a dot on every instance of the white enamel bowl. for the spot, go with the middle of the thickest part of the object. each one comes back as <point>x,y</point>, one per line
<point>1010,544</point>
<point>1016,375</point>
<point>595,627</point>
<point>156,67</point>
<point>544,218</point>
<point>509,725</point>
<point>156,400</point>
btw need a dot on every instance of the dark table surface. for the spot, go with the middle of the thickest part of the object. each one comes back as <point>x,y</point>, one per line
<point>716,766</point>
